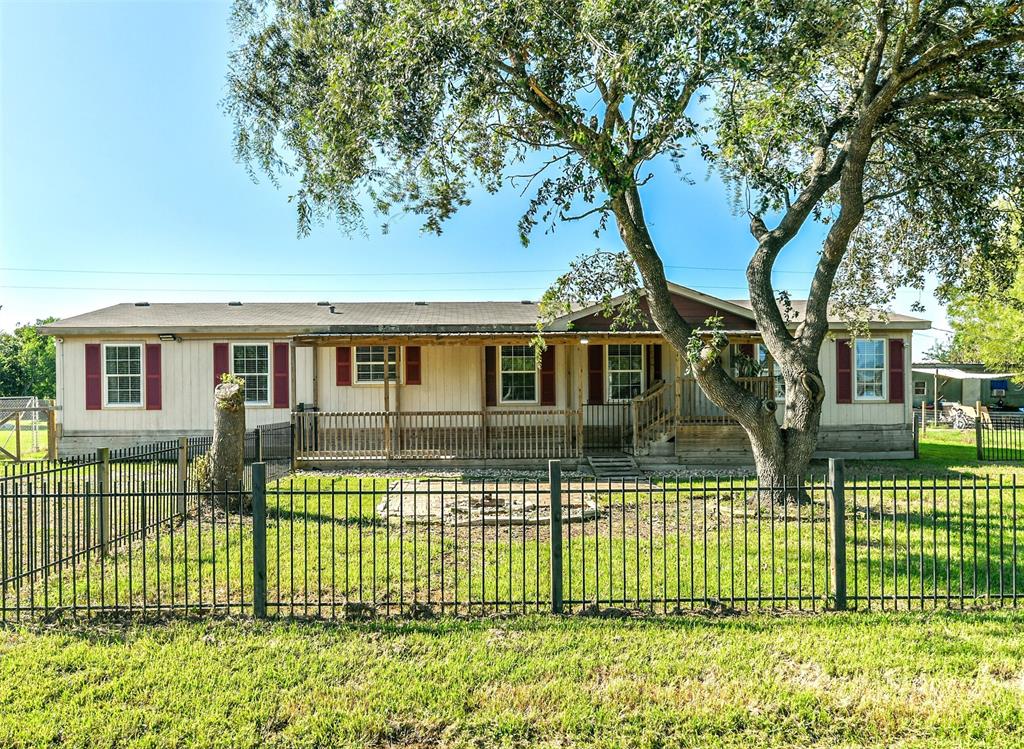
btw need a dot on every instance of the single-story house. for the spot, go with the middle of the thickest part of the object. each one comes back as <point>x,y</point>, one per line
<point>966,384</point>
<point>456,381</point>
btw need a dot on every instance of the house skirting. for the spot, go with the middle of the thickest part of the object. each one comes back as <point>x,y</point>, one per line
<point>698,445</point>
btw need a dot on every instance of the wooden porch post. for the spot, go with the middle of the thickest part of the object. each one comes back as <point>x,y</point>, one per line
<point>397,431</point>
<point>292,376</point>
<point>678,386</point>
<point>387,406</point>
<point>316,375</point>
<point>483,401</point>
<point>580,359</point>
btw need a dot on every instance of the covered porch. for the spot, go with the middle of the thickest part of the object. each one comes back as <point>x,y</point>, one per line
<point>465,397</point>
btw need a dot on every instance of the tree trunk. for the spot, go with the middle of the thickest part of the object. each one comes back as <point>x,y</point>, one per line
<point>227,454</point>
<point>782,454</point>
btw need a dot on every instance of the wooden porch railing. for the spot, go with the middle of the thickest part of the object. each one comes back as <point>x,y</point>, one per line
<point>437,435</point>
<point>696,408</point>
<point>652,415</point>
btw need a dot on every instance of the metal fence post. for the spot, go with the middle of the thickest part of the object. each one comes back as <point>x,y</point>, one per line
<point>291,442</point>
<point>837,532</point>
<point>103,499</point>
<point>258,447</point>
<point>259,540</point>
<point>182,474</point>
<point>555,484</point>
<point>977,438</point>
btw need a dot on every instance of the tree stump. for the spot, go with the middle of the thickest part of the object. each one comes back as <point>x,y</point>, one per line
<point>227,453</point>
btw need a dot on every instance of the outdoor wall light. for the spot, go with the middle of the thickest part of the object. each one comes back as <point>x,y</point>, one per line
<point>584,341</point>
<point>168,337</point>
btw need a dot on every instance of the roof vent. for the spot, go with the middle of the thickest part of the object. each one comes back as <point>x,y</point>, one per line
<point>323,304</point>
<point>234,304</point>
<point>526,301</point>
<point>420,304</point>
<point>332,309</point>
<point>142,304</point>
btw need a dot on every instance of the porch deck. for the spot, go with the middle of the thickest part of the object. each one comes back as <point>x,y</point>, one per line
<point>665,412</point>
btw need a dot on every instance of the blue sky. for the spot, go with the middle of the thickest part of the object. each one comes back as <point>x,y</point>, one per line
<point>116,159</point>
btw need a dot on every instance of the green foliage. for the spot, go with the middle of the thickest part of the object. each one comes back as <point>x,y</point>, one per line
<point>941,126</point>
<point>28,364</point>
<point>989,321</point>
<point>409,104</point>
<point>202,472</point>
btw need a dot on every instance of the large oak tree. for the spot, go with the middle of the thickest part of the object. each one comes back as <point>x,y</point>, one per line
<point>897,124</point>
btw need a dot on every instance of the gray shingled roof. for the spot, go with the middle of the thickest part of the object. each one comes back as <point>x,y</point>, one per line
<point>295,318</point>
<point>304,317</point>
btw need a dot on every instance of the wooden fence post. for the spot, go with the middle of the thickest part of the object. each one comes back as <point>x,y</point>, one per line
<point>103,499</point>
<point>837,532</point>
<point>917,437</point>
<point>555,489</point>
<point>259,540</point>
<point>51,432</point>
<point>977,438</point>
<point>17,436</point>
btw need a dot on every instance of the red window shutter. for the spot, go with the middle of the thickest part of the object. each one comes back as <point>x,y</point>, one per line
<point>154,375</point>
<point>896,370</point>
<point>595,375</point>
<point>413,370</point>
<point>491,374</point>
<point>343,365</point>
<point>656,364</point>
<point>547,377</point>
<point>93,378</point>
<point>220,362</point>
<point>844,371</point>
<point>282,392</point>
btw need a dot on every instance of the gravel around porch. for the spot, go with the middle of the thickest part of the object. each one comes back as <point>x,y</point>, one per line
<point>520,474</point>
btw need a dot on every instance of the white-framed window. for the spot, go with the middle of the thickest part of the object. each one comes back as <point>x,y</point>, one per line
<point>920,387</point>
<point>625,371</point>
<point>371,361</point>
<point>122,374</point>
<point>776,373</point>
<point>251,362</point>
<point>518,374</point>
<point>869,369</point>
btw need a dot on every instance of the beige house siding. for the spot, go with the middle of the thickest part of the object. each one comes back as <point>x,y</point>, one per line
<point>452,380</point>
<point>864,412</point>
<point>186,389</point>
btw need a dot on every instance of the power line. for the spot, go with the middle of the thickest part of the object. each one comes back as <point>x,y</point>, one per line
<point>297,291</point>
<point>265,274</point>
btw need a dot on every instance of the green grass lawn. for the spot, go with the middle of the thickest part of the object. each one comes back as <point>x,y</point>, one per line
<point>33,446</point>
<point>932,680</point>
<point>927,679</point>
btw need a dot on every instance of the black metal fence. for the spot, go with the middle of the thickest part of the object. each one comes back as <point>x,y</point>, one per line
<point>337,547</point>
<point>1000,437</point>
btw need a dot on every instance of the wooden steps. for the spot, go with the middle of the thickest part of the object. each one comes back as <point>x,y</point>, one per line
<point>613,466</point>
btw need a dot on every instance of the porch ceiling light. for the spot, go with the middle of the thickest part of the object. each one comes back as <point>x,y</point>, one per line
<point>584,341</point>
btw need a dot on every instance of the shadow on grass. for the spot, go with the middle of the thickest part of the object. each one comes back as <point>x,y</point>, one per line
<point>123,629</point>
